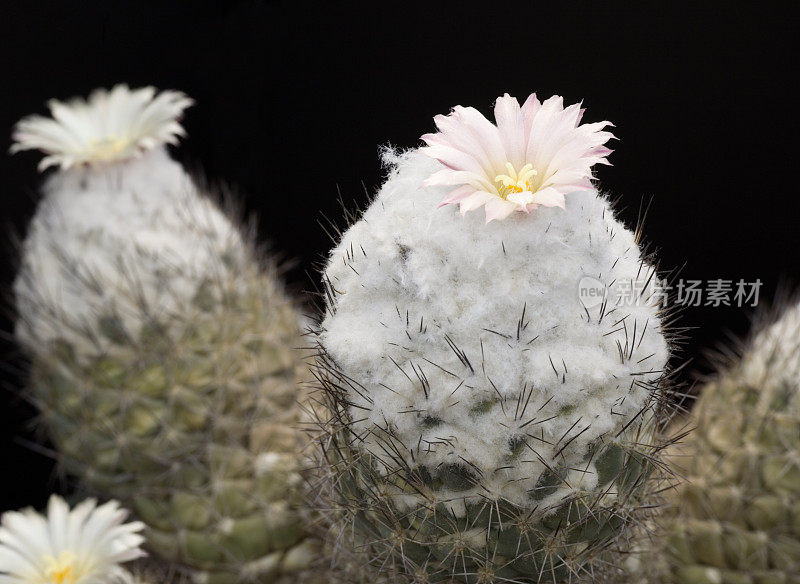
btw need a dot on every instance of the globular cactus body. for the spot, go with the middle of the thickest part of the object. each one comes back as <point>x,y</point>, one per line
<point>483,424</point>
<point>163,363</point>
<point>736,516</point>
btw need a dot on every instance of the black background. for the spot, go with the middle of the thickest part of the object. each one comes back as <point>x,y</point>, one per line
<point>293,99</point>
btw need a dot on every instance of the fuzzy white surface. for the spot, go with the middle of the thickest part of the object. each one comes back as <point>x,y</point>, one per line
<point>131,239</point>
<point>408,276</point>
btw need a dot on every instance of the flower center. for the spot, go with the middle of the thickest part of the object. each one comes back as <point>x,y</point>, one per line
<point>61,570</point>
<point>515,182</point>
<point>108,147</point>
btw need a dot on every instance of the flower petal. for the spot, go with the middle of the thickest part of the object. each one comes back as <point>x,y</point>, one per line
<point>511,126</point>
<point>449,156</point>
<point>448,177</point>
<point>475,200</point>
<point>529,110</point>
<point>522,199</point>
<point>485,132</point>
<point>549,197</point>
<point>457,195</point>
<point>497,208</point>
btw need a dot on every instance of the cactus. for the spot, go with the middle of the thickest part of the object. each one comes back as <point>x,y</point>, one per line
<point>480,423</point>
<point>736,516</point>
<point>162,353</point>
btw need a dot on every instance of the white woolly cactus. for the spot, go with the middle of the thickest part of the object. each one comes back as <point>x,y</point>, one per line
<point>162,351</point>
<point>122,230</point>
<point>485,424</point>
<point>128,242</point>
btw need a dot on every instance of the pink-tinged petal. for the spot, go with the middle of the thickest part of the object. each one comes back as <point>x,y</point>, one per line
<point>600,153</point>
<point>568,147</point>
<point>544,130</point>
<point>511,125</point>
<point>445,178</point>
<point>549,197</point>
<point>450,178</point>
<point>595,126</point>
<point>457,195</point>
<point>571,179</point>
<point>572,114</point>
<point>485,132</point>
<point>570,155</point>
<point>453,133</point>
<point>529,110</point>
<point>435,140</point>
<point>476,200</point>
<point>497,208</point>
<point>452,158</point>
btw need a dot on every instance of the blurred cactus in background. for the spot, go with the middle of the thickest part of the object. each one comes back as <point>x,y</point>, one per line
<point>162,346</point>
<point>736,514</point>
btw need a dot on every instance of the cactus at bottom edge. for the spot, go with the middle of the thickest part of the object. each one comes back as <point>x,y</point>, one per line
<point>479,422</point>
<point>736,514</point>
<point>162,354</point>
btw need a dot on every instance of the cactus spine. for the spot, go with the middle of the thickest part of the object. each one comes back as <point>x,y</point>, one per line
<point>736,517</point>
<point>483,425</point>
<point>162,352</point>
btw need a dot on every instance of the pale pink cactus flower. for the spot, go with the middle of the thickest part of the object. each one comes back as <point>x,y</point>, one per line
<point>535,155</point>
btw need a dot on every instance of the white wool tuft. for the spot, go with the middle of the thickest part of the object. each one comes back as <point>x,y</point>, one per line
<point>124,240</point>
<point>413,284</point>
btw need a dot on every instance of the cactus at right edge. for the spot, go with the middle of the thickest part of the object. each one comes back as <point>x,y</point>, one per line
<point>736,515</point>
<point>163,353</point>
<point>486,422</point>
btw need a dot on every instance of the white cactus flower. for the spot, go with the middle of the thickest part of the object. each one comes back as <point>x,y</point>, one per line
<point>110,126</point>
<point>85,545</point>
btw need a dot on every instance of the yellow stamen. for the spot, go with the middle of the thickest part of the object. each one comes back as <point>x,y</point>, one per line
<point>515,182</point>
<point>108,147</point>
<point>61,570</point>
